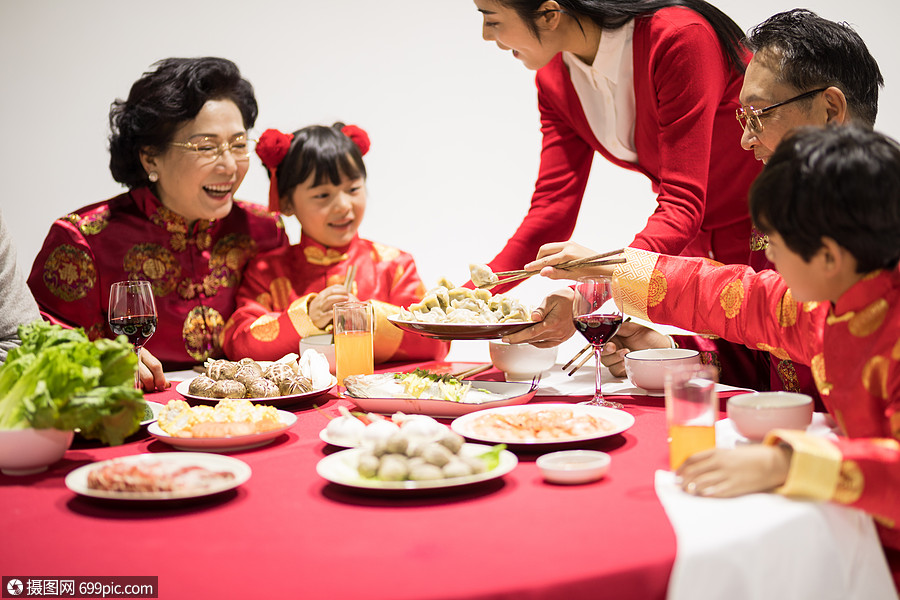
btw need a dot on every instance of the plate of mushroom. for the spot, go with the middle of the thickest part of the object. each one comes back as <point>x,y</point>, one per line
<point>288,380</point>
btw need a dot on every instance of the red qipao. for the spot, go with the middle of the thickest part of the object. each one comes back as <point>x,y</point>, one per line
<point>852,348</point>
<point>273,301</point>
<point>194,269</point>
<point>686,138</point>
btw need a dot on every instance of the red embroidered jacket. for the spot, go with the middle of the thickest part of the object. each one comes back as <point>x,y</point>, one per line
<point>194,271</point>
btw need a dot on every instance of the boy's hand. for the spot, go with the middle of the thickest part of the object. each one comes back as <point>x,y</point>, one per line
<point>725,473</point>
<point>320,307</point>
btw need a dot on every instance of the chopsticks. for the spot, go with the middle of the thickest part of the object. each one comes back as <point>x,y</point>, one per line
<point>351,273</point>
<point>597,260</point>
<point>473,371</point>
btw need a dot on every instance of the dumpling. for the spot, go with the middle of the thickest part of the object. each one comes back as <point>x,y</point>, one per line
<point>482,275</point>
<point>201,386</point>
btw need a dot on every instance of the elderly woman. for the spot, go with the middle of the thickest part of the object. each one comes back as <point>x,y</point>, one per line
<point>180,145</point>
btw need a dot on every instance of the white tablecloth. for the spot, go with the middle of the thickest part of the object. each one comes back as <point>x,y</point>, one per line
<point>765,546</point>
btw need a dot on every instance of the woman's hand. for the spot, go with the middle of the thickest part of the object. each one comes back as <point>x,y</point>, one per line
<point>557,252</point>
<point>151,373</point>
<point>554,326</point>
<point>320,307</point>
<point>631,336</point>
<point>725,473</point>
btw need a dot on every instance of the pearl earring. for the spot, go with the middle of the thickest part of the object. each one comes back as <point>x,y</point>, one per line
<point>153,176</point>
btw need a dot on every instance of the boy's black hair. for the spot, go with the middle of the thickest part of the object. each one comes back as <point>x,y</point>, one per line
<point>325,151</point>
<point>813,52</point>
<point>840,182</point>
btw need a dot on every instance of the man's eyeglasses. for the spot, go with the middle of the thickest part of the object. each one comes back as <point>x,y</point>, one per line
<point>208,149</point>
<point>747,115</point>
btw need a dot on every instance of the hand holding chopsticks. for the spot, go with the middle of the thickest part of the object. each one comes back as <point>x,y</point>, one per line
<point>597,260</point>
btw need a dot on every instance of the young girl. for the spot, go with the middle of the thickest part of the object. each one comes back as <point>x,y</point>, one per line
<point>317,174</point>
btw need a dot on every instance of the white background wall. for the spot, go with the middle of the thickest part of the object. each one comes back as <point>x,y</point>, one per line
<point>453,120</point>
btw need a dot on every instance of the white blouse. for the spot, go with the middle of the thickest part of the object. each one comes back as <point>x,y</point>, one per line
<point>606,91</point>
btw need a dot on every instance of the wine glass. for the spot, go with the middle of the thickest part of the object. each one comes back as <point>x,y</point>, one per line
<point>132,313</point>
<point>597,317</point>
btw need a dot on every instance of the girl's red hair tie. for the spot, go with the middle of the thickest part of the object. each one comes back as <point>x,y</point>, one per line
<point>359,137</point>
<point>271,148</point>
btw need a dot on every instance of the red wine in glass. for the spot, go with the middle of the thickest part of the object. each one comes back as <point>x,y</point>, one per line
<point>132,313</point>
<point>597,318</point>
<point>598,329</point>
<point>137,329</point>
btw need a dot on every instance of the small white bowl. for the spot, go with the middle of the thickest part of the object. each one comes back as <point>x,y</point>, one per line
<point>754,415</point>
<point>323,343</point>
<point>28,451</point>
<point>522,362</point>
<point>574,466</point>
<point>647,368</point>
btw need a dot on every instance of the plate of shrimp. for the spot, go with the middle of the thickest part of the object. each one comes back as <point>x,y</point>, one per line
<point>539,424</point>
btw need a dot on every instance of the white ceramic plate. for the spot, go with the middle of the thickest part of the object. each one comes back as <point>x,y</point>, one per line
<point>323,435</point>
<point>618,420</point>
<point>509,394</point>
<point>77,479</point>
<point>461,331</point>
<point>183,387</point>
<point>340,468</point>
<point>225,444</point>
<point>155,408</point>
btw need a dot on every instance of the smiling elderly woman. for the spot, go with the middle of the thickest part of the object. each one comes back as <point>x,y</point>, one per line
<point>179,143</point>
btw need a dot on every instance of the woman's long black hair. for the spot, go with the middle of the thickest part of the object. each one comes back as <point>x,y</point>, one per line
<point>613,14</point>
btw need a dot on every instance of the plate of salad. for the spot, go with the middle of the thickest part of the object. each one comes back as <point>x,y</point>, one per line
<point>436,395</point>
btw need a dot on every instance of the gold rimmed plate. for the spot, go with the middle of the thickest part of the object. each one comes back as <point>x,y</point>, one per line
<point>461,331</point>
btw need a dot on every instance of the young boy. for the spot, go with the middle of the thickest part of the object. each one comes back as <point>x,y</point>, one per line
<point>829,200</point>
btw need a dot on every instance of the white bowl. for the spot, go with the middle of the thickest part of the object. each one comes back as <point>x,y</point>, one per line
<point>573,466</point>
<point>647,368</point>
<point>754,415</point>
<point>27,451</point>
<point>323,343</point>
<point>522,362</point>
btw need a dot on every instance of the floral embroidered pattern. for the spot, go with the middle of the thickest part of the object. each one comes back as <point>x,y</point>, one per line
<point>202,333</point>
<point>787,310</point>
<point>69,273</point>
<point>868,320</point>
<point>93,224</point>
<point>315,256</point>
<point>731,298</point>
<point>788,376</point>
<point>758,240</point>
<point>155,264</point>
<point>817,365</point>
<point>656,293</point>
<point>850,484</point>
<point>875,376</point>
<point>227,261</point>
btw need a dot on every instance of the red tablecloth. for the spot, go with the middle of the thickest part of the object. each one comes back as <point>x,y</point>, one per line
<point>288,533</point>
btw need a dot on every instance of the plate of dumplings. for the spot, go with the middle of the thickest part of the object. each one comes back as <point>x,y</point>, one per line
<point>289,380</point>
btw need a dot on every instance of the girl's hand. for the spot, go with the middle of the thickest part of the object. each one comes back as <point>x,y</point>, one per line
<point>557,252</point>
<point>725,473</point>
<point>320,306</point>
<point>151,373</point>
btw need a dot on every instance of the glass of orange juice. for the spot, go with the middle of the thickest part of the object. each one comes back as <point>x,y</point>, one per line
<point>692,407</point>
<point>354,326</point>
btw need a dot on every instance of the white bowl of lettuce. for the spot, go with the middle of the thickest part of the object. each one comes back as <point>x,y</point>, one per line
<point>29,451</point>
<point>59,380</point>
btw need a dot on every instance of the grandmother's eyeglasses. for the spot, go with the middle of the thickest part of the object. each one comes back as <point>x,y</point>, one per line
<point>747,115</point>
<point>208,149</point>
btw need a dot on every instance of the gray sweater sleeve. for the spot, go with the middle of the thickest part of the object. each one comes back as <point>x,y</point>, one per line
<point>17,305</point>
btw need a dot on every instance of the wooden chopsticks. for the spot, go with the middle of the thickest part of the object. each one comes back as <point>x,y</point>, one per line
<point>348,280</point>
<point>597,260</point>
<point>472,372</point>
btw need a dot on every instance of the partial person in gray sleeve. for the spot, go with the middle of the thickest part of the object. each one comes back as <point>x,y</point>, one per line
<point>17,305</point>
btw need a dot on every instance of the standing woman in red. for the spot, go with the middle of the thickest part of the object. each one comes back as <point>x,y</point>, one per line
<point>651,86</point>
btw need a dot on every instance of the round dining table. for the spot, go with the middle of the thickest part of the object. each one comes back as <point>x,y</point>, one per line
<point>289,533</point>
